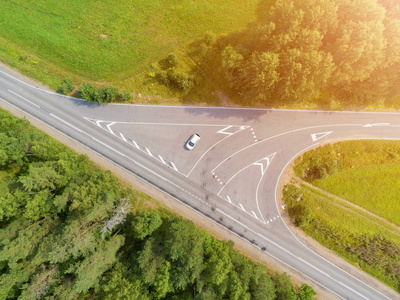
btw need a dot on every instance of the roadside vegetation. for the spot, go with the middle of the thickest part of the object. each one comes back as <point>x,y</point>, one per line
<point>109,42</point>
<point>345,195</point>
<point>330,54</point>
<point>69,230</point>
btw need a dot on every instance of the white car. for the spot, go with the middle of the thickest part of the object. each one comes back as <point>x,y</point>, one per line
<point>194,139</point>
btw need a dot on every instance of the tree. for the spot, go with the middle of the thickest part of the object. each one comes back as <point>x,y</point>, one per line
<point>306,292</point>
<point>258,75</point>
<point>145,223</point>
<point>284,288</point>
<point>121,283</point>
<point>184,247</point>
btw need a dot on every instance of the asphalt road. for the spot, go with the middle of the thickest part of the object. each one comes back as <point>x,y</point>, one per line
<point>231,176</point>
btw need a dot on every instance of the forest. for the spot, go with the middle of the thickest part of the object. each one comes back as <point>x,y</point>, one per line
<point>69,230</point>
<point>331,50</point>
<point>328,53</point>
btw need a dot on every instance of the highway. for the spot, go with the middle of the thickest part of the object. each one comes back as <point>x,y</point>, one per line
<point>231,176</point>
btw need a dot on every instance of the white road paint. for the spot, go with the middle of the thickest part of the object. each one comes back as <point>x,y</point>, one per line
<point>317,136</point>
<point>229,199</point>
<point>241,129</point>
<point>134,143</point>
<point>122,136</point>
<point>162,160</point>
<point>148,152</point>
<point>173,165</point>
<point>241,206</point>
<point>109,127</point>
<point>295,256</point>
<point>377,124</point>
<point>278,135</point>
<point>254,214</point>
<point>266,160</point>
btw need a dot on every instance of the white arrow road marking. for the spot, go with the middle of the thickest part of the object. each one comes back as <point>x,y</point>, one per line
<point>266,160</point>
<point>377,124</point>
<point>223,131</point>
<point>317,136</point>
<point>254,214</point>
<point>229,198</point>
<point>241,206</point>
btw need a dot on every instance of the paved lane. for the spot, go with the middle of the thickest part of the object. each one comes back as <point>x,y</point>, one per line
<point>231,176</point>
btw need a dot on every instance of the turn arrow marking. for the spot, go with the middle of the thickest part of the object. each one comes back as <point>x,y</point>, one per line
<point>317,136</point>
<point>266,160</point>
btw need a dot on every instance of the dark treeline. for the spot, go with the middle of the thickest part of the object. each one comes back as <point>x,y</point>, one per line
<point>71,231</point>
<point>325,51</point>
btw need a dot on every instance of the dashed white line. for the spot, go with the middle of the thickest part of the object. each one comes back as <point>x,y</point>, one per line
<point>122,136</point>
<point>148,151</point>
<point>172,164</point>
<point>162,160</point>
<point>134,143</point>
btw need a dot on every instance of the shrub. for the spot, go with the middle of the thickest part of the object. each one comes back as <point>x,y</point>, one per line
<point>172,60</point>
<point>297,208</point>
<point>101,95</point>
<point>125,96</point>
<point>87,91</point>
<point>66,86</point>
<point>318,164</point>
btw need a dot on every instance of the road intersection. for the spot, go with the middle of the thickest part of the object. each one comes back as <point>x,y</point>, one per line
<point>231,176</point>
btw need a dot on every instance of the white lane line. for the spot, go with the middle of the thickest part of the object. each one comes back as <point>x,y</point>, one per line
<point>241,206</point>
<point>148,151</point>
<point>172,164</point>
<point>122,136</point>
<point>297,257</point>
<point>240,129</point>
<point>34,104</point>
<point>278,135</point>
<point>109,127</point>
<point>65,122</point>
<point>254,214</point>
<point>98,122</point>
<point>134,143</point>
<point>229,198</point>
<point>162,160</point>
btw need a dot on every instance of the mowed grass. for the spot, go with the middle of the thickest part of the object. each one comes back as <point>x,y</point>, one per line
<point>108,40</point>
<point>368,174</point>
<point>375,188</point>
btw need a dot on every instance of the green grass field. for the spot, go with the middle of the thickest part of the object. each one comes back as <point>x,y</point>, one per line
<point>108,41</point>
<point>367,174</point>
<point>376,188</point>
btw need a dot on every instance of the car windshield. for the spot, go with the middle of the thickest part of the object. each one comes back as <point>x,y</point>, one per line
<point>191,144</point>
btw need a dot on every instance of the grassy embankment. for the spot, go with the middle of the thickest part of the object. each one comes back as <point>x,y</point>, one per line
<point>111,42</point>
<point>353,207</point>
